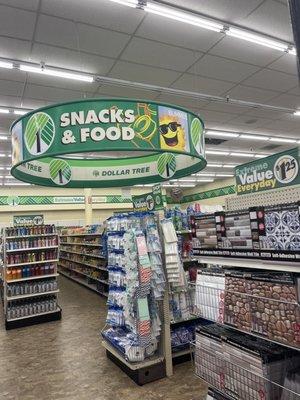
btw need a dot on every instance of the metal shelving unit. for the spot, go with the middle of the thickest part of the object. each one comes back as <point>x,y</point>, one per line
<point>21,308</point>
<point>71,268</point>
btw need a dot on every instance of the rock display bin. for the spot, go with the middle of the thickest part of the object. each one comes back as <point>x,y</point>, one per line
<point>265,304</point>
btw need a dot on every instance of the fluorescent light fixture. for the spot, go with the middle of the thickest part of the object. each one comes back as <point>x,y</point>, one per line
<point>222,134</point>
<point>187,180</point>
<point>214,165</point>
<point>7,65</point>
<point>20,112</point>
<point>4,110</point>
<point>188,18</point>
<point>128,3</point>
<point>205,180</point>
<point>205,174</point>
<point>218,153</point>
<point>229,165</point>
<point>224,175</point>
<point>292,51</point>
<point>234,154</point>
<point>56,72</point>
<point>2,155</point>
<point>283,140</point>
<point>261,155</point>
<point>297,113</point>
<point>254,137</point>
<point>149,184</point>
<point>186,185</point>
<point>16,184</point>
<point>258,39</point>
<point>3,137</point>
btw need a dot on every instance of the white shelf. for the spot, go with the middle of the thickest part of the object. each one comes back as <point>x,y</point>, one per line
<point>81,244</point>
<point>35,235</point>
<point>83,263</point>
<point>33,315</point>
<point>32,248</point>
<point>83,282</point>
<point>82,234</point>
<point>82,273</point>
<point>29,278</point>
<point>31,262</point>
<point>133,366</point>
<point>27,296</point>
<point>274,265</point>
<point>82,254</point>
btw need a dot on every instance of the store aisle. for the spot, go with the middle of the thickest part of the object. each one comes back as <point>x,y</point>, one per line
<point>65,359</point>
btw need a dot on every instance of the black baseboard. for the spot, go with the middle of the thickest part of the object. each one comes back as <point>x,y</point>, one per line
<point>38,319</point>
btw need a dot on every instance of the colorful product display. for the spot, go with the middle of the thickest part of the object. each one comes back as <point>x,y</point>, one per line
<point>43,241</point>
<point>29,271</point>
<point>30,230</point>
<point>137,283</point>
<point>22,258</point>
<point>35,287</point>
<point>20,309</point>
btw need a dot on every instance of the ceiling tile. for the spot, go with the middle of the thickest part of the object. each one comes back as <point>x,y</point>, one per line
<point>12,75</point>
<point>162,29</point>
<point>283,125</point>
<point>9,101</point>
<point>240,50</point>
<point>249,121</point>
<point>160,55</point>
<point>118,91</point>
<point>247,93</point>
<point>225,107</point>
<point>28,4</point>
<point>16,23</point>
<point>52,94</point>
<point>226,10</point>
<point>215,116</point>
<point>221,68</point>
<point>197,83</point>
<point>286,100</point>
<point>295,90</point>
<point>101,41</point>
<point>91,39</point>
<point>272,80</point>
<point>263,113</point>
<point>141,73</point>
<point>271,18</point>
<point>105,14</point>
<point>71,59</point>
<point>11,88</point>
<point>14,48</point>
<point>286,63</point>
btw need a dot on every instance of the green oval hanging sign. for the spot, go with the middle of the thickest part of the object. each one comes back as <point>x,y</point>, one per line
<point>106,143</point>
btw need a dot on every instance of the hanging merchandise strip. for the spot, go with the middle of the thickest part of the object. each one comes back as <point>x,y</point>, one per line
<point>106,143</point>
<point>136,282</point>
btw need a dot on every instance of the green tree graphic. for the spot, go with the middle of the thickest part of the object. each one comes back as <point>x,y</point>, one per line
<point>166,165</point>
<point>39,133</point>
<point>60,172</point>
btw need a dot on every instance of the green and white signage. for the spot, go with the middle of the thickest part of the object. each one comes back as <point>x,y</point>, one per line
<point>106,143</point>
<point>278,170</point>
<point>152,201</point>
<point>25,220</point>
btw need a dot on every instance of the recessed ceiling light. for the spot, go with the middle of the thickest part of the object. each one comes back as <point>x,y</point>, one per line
<point>222,134</point>
<point>234,154</point>
<point>283,140</point>
<point>219,153</point>
<point>254,137</point>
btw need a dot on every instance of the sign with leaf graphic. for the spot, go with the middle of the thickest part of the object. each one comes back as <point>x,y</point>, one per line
<point>107,143</point>
<point>151,201</point>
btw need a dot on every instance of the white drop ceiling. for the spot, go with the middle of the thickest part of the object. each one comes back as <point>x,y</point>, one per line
<point>108,39</point>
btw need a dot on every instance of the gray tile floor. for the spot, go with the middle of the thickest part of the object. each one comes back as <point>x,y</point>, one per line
<point>65,359</point>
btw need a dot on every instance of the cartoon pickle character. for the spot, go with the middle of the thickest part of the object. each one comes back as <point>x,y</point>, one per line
<point>172,134</point>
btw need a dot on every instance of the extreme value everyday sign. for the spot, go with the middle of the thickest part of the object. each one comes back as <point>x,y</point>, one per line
<point>24,220</point>
<point>149,201</point>
<point>278,170</point>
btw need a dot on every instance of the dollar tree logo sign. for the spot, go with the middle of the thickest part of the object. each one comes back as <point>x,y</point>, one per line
<point>39,133</point>
<point>166,165</point>
<point>60,172</point>
<point>197,135</point>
